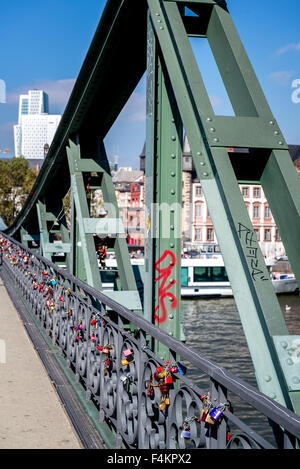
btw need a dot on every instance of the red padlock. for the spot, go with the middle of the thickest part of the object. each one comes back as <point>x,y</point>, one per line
<point>93,322</point>
<point>168,380</point>
<point>159,369</point>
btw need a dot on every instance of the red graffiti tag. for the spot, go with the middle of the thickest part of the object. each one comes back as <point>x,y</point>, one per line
<point>163,290</point>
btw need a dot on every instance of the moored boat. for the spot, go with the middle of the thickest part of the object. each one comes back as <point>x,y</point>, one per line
<point>205,277</point>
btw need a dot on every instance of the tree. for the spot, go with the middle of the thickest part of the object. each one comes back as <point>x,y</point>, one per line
<point>16,181</point>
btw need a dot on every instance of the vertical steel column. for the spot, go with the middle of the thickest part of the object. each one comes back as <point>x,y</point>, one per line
<point>163,211</point>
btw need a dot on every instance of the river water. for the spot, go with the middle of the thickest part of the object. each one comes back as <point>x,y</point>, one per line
<point>213,328</point>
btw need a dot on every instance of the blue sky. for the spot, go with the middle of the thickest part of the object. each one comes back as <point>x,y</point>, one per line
<point>43,45</point>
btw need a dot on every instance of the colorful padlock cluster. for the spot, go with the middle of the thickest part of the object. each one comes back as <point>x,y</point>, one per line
<point>163,379</point>
<point>211,414</point>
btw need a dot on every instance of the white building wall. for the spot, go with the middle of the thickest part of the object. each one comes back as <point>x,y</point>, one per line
<point>37,130</point>
<point>35,126</point>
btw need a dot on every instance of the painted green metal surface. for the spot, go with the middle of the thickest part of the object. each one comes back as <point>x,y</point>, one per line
<point>253,126</point>
<point>163,175</point>
<point>84,228</point>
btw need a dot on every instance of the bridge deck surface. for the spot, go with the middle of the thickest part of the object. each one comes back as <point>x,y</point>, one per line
<point>31,413</point>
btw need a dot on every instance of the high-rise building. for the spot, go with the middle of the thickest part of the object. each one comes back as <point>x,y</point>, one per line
<point>36,127</point>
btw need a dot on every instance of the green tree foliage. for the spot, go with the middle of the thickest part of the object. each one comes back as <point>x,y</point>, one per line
<point>16,181</point>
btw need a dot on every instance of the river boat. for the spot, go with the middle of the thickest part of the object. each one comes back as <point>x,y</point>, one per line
<point>205,277</point>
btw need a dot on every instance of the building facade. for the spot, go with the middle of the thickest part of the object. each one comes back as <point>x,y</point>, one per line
<point>129,188</point>
<point>197,226</point>
<point>36,127</point>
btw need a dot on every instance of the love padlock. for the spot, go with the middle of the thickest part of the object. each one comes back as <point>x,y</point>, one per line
<point>168,380</point>
<point>173,369</point>
<point>186,434</point>
<point>215,414</point>
<point>128,352</point>
<point>124,362</point>
<point>181,368</point>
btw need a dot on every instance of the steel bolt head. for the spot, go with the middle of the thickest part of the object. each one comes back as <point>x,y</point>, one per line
<point>267,378</point>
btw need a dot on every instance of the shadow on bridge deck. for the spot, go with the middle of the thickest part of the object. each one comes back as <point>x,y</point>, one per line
<point>31,413</point>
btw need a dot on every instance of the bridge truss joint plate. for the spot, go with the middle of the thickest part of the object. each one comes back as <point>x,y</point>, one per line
<point>288,351</point>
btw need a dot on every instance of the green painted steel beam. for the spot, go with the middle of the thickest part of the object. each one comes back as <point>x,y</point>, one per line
<point>44,235</point>
<point>163,224</point>
<point>84,258</point>
<point>244,132</point>
<point>83,240</point>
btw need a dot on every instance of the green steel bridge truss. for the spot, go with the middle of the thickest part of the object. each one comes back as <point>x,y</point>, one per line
<point>138,35</point>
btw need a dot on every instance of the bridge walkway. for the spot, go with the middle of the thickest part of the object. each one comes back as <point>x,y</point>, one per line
<point>31,412</point>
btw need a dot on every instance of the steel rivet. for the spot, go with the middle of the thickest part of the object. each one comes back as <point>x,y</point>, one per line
<point>199,153</point>
<point>284,344</point>
<point>276,132</point>
<point>173,156</point>
<point>267,378</point>
<point>280,143</point>
<point>202,163</point>
<point>172,227</point>
<point>289,361</point>
<point>295,380</point>
<point>205,174</point>
<point>216,139</point>
<point>172,173</point>
<point>161,27</point>
<point>272,395</point>
<point>173,191</point>
<point>172,245</point>
<point>271,122</point>
<point>212,129</point>
<point>209,119</point>
<point>173,137</point>
<point>171,316</point>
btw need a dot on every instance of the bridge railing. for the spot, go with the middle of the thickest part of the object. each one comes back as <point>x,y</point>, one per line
<point>147,403</point>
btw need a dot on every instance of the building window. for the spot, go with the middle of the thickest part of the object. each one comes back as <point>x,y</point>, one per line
<point>277,236</point>
<point>198,210</point>
<point>198,234</point>
<point>257,234</point>
<point>256,210</point>
<point>210,234</point>
<point>267,212</point>
<point>256,192</point>
<point>245,191</point>
<point>198,190</point>
<point>267,234</point>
